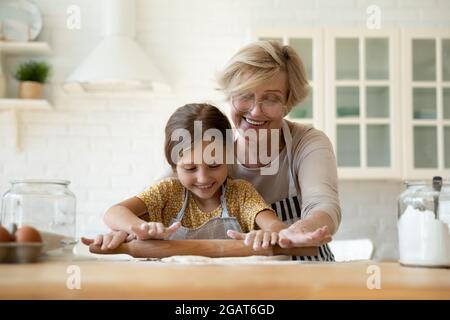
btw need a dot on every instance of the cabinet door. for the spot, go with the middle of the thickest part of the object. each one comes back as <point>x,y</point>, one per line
<point>362,107</point>
<point>309,45</point>
<point>426,88</point>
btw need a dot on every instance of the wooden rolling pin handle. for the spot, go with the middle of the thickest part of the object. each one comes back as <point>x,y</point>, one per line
<point>208,248</point>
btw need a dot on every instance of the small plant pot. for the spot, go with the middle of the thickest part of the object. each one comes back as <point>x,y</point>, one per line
<point>30,90</point>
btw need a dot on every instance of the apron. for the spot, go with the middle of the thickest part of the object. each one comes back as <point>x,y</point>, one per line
<point>289,209</point>
<point>215,228</point>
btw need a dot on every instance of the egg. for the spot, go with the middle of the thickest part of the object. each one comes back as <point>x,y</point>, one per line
<point>4,235</point>
<point>27,234</point>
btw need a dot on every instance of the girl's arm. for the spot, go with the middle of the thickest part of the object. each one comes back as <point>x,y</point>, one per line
<point>268,221</point>
<point>123,219</point>
<point>308,232</point>
<point>311,231</point>
<point>269,225</point>
<point>125,215</point>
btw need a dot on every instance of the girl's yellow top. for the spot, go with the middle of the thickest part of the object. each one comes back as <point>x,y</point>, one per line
<point>165,199</point>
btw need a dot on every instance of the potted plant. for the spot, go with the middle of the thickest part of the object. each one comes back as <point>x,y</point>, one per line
<point>32,75</point>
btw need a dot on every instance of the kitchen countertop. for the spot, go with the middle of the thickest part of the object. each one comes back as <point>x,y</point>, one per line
<point>157,280</point>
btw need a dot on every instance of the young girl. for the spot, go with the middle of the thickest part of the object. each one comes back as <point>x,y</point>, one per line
<point>202,202</point>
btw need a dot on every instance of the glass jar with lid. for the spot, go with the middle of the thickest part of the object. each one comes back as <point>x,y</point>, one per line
<point>444,204</point>
<point>47,205</point>
<point>424,238</point>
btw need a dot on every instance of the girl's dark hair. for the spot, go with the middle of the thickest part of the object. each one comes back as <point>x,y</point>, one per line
<point>183,118</point>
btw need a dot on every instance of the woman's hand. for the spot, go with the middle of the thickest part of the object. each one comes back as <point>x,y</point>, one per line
<point>110,240</point>
<point>154,230</point>
<point>295,236</point>
<point>259,239</point>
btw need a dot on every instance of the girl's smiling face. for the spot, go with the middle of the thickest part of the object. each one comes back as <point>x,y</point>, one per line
<point>205,179</point>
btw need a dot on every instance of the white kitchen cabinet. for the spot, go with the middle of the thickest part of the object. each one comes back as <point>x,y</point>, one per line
<point>362,102</point>
<point>382,96</point>
<point>309,45</point>
<point>426,112</point>
<point>354,76</point>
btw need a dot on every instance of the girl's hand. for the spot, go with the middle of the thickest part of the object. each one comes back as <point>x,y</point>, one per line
<point>110,240</point>
<point>299,237</point>
<point>259,239</point>
<point>154,230</point>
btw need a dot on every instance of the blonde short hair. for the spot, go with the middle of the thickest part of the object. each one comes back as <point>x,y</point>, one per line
<point>262,60</point>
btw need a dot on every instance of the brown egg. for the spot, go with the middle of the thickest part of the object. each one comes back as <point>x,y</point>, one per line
<point>27,234</point>
<point>4,235</point>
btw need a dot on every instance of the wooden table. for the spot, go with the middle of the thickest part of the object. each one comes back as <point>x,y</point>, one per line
<point>151,280</point>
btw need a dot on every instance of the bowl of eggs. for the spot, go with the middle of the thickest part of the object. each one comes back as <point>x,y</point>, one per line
<point>20,245</point>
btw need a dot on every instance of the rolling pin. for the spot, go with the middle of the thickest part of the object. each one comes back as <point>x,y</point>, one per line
<point>208,248</point>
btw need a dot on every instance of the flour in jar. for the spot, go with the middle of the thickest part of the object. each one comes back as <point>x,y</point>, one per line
<point>423,240</point>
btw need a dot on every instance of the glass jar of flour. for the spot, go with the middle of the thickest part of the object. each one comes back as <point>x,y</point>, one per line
<point>423,225</point>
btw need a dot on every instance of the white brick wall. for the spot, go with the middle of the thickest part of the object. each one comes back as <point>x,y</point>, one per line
<point>370,211</point>
<point>110,147</point>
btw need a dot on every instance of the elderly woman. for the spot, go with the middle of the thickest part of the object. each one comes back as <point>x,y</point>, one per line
<point>263,82</point>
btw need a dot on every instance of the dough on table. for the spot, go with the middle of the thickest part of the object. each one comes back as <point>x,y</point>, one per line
<point>226,260</point>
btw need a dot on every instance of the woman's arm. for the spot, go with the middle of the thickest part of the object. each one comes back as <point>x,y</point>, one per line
<point>314,221</point>
<point>311,231</point>
<point>315,165</point>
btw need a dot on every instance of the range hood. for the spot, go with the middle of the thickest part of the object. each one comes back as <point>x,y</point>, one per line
<point>118,63</point>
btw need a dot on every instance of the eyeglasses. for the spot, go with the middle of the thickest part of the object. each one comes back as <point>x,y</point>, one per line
<point>271,104</point>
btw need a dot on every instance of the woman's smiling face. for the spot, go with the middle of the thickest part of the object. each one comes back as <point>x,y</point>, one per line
<point>255,118</point>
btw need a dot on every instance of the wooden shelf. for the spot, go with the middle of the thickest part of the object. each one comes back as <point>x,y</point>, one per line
<point>24,48</point>
<point>25,104</point>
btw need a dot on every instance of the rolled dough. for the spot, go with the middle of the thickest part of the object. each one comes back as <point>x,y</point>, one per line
<point>227,260</point>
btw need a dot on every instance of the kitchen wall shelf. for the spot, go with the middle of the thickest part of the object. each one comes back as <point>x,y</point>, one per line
<point>11,105</point>
<point>24,48</point>
<point>25,104</point>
